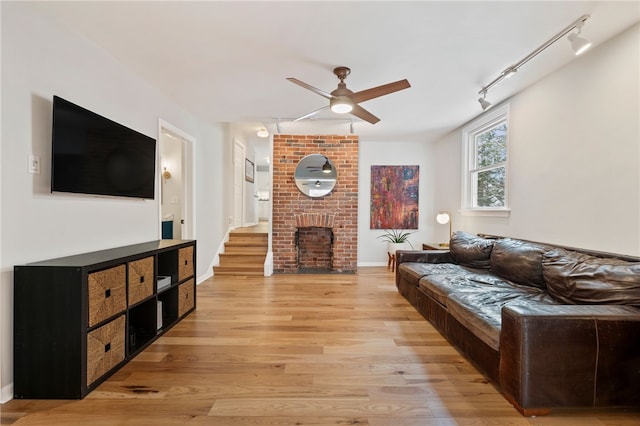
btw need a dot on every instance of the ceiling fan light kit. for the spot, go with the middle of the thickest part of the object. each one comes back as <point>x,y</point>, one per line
<point>578,44</point>
<point>341,105</point>
<point>342,100</point>
<point>326,167</point>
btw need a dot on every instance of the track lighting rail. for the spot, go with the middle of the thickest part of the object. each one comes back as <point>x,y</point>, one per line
<point>577,24</point>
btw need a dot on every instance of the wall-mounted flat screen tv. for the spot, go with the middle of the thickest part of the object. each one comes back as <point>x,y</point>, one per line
<point>94,155</point>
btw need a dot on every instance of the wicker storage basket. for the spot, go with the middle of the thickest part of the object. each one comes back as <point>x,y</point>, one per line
<point>140,280</point>
<point>105,348</point>
<point>186,299</point>
<point>107,294</point>
<point>185,263</point>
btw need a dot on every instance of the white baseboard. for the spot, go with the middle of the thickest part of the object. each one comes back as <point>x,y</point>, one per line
<point>204,277</point>
<point>268,264</point>
<point>364,264</point>
<point>216,259</point>
<point>6,393</point>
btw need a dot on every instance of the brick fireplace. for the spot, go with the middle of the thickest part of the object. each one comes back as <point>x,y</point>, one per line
<point>315,249</point>
<point>325,222</point>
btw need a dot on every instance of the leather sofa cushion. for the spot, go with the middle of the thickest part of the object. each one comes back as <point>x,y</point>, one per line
<point>413,271</point>
<point>481,312</point>
<point>470,250</point>
<point>518,261</point>
<point>439,287</point>
<point>578,278</point>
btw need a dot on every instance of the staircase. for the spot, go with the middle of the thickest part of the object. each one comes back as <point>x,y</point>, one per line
<point>244,253</point>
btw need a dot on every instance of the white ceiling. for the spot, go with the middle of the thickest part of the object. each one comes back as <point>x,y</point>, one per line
<point>227,61</point>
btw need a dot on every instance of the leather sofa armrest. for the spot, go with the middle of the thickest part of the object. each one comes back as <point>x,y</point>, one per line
<point>570,355</point>
<point>423,256</point>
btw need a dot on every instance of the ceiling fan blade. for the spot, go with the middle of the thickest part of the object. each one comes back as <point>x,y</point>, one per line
<point>306,86</point>
<point>362,113</point>
<point>385,89</point>
<point>311,113</point>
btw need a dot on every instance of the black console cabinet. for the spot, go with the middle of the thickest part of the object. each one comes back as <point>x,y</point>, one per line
<point>77,319</point>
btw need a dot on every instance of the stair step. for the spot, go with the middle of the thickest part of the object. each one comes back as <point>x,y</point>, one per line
<point>247,238</point>
<point>244,257</point>
<point>241,246</point>
<point>233,237</point>
<point>245,250</point>
<point>244,254</point>
<point>249,234</point>
<point>239,270</point>
<point>247,243</point>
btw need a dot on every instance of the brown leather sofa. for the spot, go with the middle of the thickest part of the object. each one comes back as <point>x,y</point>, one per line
<point>552,327</point>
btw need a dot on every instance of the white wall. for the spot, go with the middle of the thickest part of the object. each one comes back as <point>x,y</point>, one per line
<point>263,184</point>
<point>213,192</point>
<point>250,189</point>
<point>574,175</point>
<point>372,250</point>
<point>39,60</point>
<point>4,344</point>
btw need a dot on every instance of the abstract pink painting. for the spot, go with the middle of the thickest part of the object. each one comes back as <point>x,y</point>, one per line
<point>394,197</point>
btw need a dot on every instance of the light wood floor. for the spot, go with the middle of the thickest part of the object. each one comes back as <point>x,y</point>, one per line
<point>298,350</point>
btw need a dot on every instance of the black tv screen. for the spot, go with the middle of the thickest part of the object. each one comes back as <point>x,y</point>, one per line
<point>94,155</point>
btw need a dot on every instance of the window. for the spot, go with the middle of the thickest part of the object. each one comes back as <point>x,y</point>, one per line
<point>485,143</point>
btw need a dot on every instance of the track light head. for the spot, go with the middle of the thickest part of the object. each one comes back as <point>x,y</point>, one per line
<point>578,44</point>
<point>485,104</point>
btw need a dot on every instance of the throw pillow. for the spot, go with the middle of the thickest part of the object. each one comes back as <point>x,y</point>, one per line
<point>470,250</point>
<point>518,261</point>
<point>578,278</point>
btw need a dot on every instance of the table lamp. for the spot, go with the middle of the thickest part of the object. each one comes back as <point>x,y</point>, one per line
<point>443,218</point>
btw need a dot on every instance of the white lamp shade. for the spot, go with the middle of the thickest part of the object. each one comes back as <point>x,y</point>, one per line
<point>443,217</point>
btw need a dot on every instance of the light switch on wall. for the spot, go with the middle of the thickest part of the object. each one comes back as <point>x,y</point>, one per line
<point>34,165</point>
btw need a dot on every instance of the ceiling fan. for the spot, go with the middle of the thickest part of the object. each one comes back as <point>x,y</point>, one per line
<point>325,168</point>
<point>343,100</point>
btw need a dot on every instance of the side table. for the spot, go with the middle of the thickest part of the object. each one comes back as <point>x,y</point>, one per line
<point>435,246</point>
<point>392,261</point>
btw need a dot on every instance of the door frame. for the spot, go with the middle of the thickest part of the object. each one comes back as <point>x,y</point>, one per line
<point>189,173</point>
<point>239,150</point>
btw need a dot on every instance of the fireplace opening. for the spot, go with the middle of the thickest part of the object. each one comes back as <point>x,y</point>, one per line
<point>315,249</point>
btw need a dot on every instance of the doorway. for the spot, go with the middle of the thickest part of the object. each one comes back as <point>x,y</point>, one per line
<point>176,183</point>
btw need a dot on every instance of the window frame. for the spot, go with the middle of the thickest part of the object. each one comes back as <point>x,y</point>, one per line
<point>488,120</point>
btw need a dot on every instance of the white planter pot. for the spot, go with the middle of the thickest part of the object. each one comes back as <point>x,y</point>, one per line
<point>393,247</point>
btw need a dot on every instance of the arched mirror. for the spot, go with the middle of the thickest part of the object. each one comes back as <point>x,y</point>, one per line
<point>315,175</point>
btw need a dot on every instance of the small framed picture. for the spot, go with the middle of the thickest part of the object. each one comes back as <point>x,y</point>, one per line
<point>248,170</point>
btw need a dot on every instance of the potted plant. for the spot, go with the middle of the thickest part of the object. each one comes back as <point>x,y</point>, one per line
<point>396,240</point>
